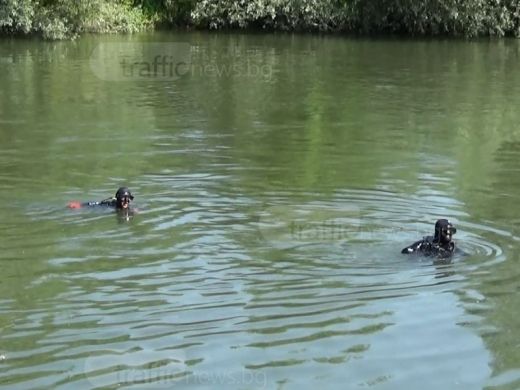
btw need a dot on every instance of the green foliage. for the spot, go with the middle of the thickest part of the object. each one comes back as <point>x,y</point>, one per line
<point>169,11</point>
<point>16,15</point>
<point>58,19</point>
<point>426,17</point>
<point>325,15</point>
<point>63,18</point>
<point>416,17</point>
<point>116,17</point>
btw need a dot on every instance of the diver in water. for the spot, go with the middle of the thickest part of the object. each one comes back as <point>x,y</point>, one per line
<point>440,245</point>
<point>121,201</point>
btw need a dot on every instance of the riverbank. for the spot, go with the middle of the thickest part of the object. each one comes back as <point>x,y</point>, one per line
<point>64,19</point>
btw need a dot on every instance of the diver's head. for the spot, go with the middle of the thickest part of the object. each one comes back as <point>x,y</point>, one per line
<point>123,198</point>
<point>444,231</point>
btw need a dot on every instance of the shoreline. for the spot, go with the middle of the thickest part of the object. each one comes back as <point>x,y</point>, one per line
<point>375,18</point>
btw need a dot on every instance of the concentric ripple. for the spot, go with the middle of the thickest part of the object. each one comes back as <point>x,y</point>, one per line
<point>239,291</point>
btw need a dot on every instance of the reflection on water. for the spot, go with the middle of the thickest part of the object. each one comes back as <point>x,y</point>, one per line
<point>265,252</point>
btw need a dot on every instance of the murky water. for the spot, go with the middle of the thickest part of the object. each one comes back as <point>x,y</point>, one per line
<point>276,178</point>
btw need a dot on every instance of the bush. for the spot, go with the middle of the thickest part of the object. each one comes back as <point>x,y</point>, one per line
<point>113,17</point>
<point>59,19</point>
<point>415,17</point>
<point>326,15</point>
<point>16,16</point>
<point>68,18</point>
<point>426,17</point>
<point>168,11</point>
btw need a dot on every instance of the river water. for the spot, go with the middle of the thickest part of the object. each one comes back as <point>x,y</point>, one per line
<point>276,179</point>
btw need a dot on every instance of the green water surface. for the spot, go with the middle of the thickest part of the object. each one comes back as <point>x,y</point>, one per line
<point>276,178</point>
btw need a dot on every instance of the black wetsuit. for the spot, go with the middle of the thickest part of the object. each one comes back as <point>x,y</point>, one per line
<point>121,201</point>
<point>111,202</point>
<point>428,246</point>
<point>440,245</point>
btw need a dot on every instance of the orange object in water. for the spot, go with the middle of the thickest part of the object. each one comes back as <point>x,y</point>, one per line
<point>74,205</point>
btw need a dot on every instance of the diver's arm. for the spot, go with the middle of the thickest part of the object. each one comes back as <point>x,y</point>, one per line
<point>104,202</point>
<point>107,202</point>
<point>89,204</point>
<point>416,246</point>
<point>78,205</point>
